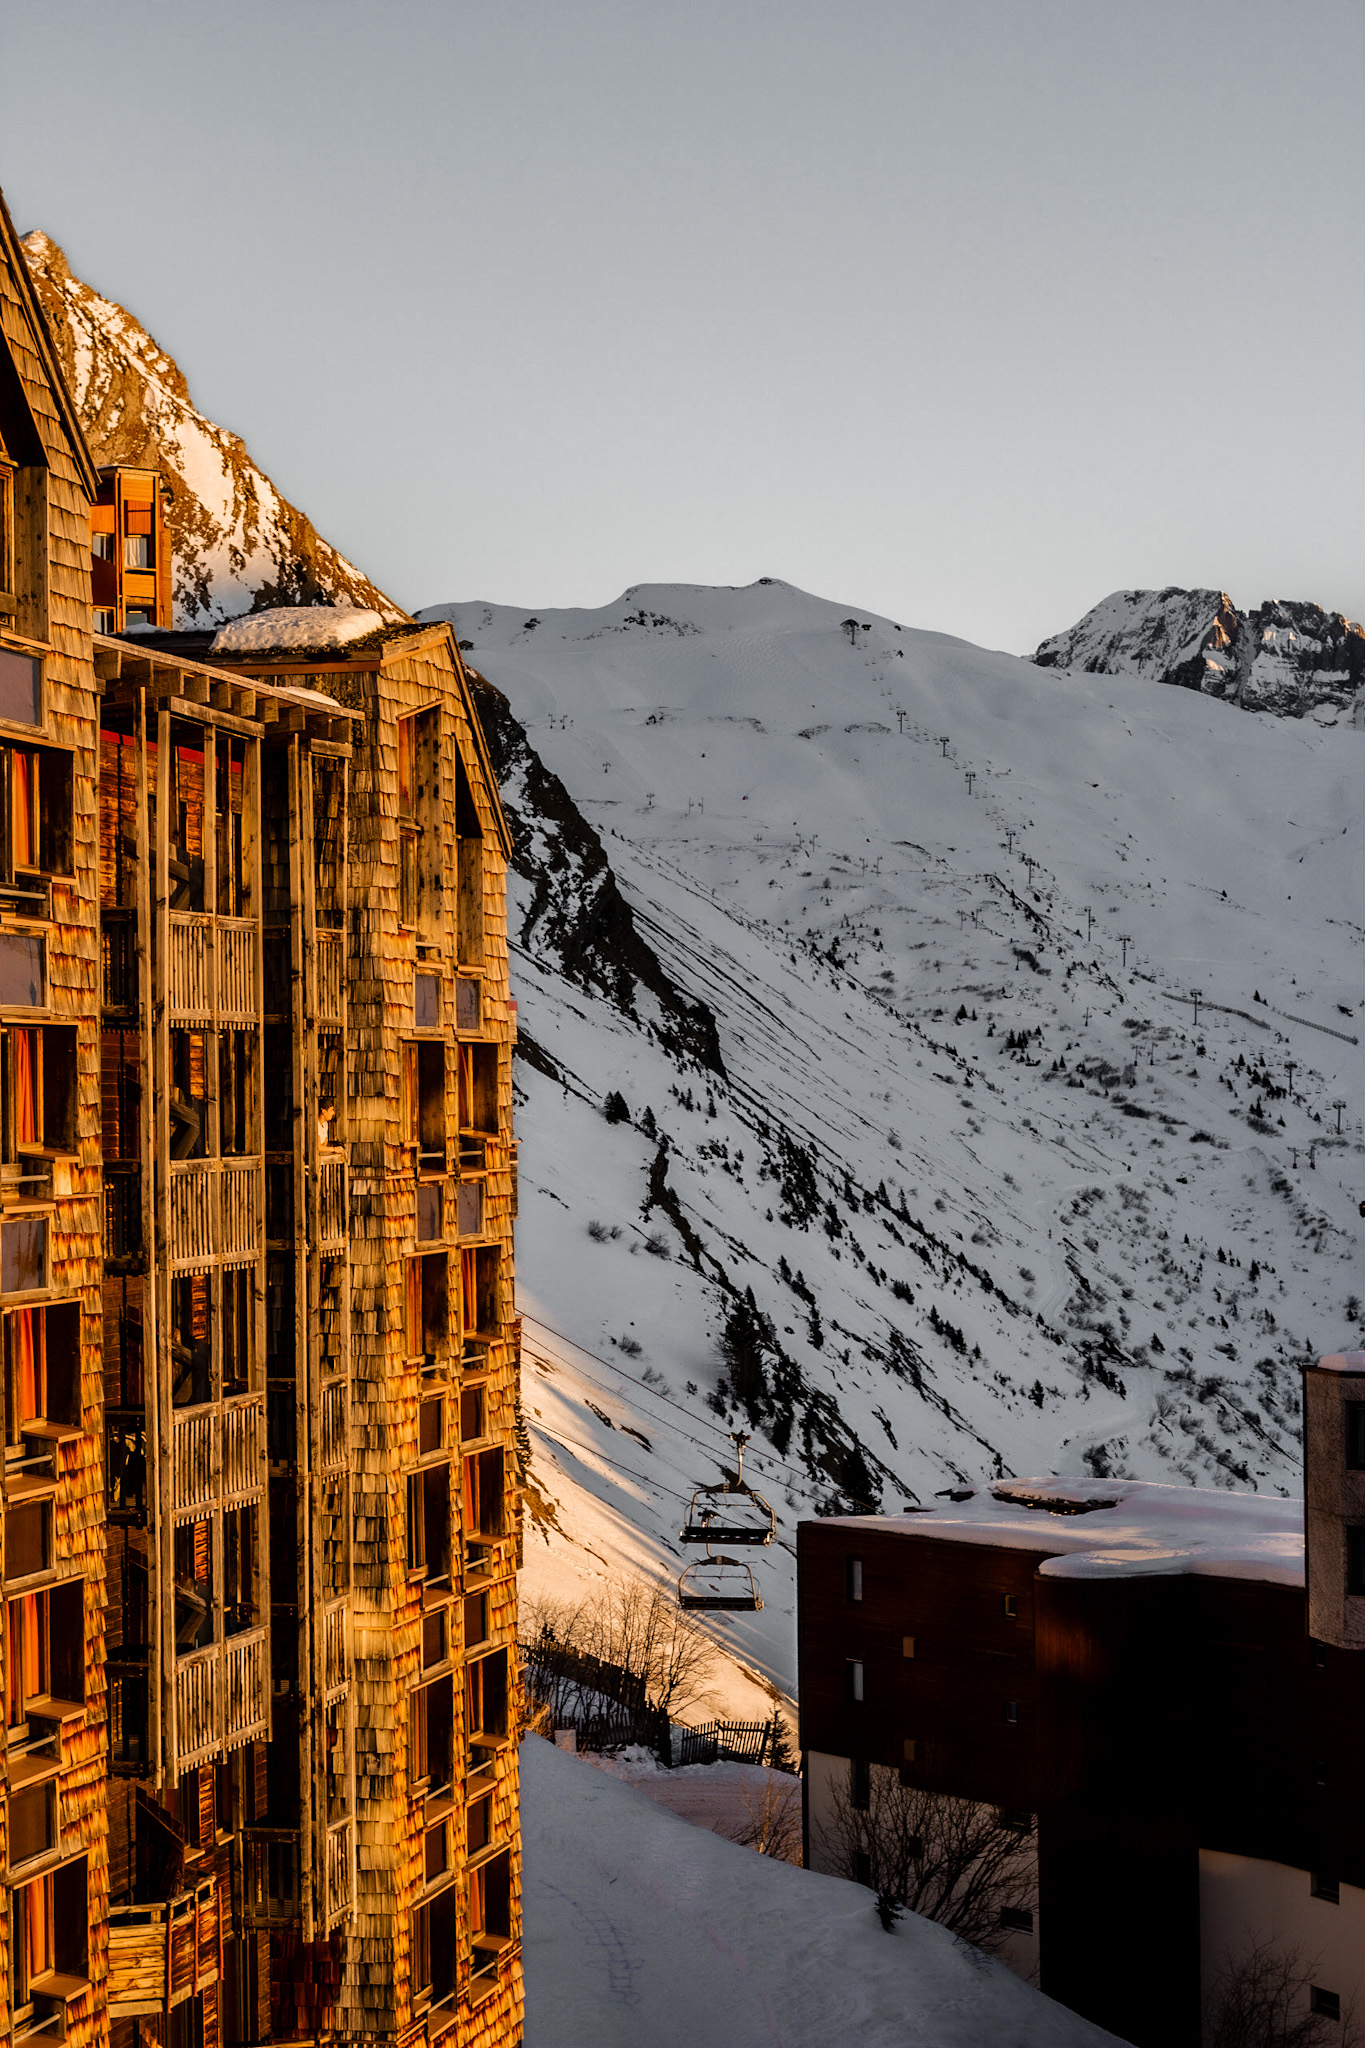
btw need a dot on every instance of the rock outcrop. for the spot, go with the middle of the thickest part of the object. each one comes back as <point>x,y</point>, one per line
<point>237,545</point>
<point>1291,658</point>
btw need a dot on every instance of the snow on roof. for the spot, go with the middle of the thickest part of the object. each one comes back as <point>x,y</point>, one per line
<point>1343,1361</point>
<point>302,628</point>
<point>1120,1528</point>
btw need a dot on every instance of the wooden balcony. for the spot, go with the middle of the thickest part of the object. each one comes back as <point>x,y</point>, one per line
<point>160,1955</point>
<point>333,1221</point>
<point>331,961</point>
<point>214,1210</point>
<point>213,1448</point>
<point>222,1697</point>
<point>194,1476</point>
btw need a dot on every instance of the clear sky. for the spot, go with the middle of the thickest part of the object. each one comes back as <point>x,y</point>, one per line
<point>966,311</point>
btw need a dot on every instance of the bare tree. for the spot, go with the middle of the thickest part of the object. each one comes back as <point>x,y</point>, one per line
<point>640,1629</point>
<point>953,1860</point>
<point>1262,1997</point>
<point>773,1822</point>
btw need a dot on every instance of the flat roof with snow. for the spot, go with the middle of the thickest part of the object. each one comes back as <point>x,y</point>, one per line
<point>1118,1528</point>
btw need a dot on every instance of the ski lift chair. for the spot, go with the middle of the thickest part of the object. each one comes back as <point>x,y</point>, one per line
<point>719,1583</point>
<point>730,1511</point>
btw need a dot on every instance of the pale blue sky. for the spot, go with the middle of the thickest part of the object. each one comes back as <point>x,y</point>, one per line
<point>966,311</point>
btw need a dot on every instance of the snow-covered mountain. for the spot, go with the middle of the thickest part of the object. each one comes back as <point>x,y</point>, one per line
<point>237,544</point>
<point>887,945</point>
<point>1291,658</point>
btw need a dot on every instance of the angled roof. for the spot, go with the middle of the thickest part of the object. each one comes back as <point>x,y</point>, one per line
<point>46,353</point>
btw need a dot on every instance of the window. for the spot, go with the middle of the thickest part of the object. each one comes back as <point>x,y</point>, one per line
<point>102,546</point>
<point>426,1002</point>
<point>469,864</point>
<point>909,1749</point>
<point>420,836</point>
<point>21,687</point>
<point>1325,2004</point>
<point>471,1414</point>
<point>429,1524</point>
<point>23,971</point>
<point>37,1096</point>
<point>185,861</point>
<point>6,537</point>
<point>1010,1713</point>
<point>236,1064</point>
<point>23,1255</point>
<point>475,1619</point>
<point>1018,1919</point>
<point>1355,1560</point>
<point>36,794</point>
<point>490,1910</point>
<point>479,1825</point>
<point>468,1004</point>
<point>479,1090</point>
<point>435,1637</point>
<point>483,1494</point>
<point>487,1694</point>
<point>42,1369</point>
<point>44,1654</point>
<point>1325,1888</point>
<point>1017,1818</point>
<point>853,1679</point>
<point>424,1103</point>
<point>1009,1606</point>
<point>1355,1436</point>
<point>426,1306</point>
<point>479,1292</point>
<point>431,1713</point>
<point>32,1822</point>
<point>28,1539</point>
<point>241,1578</point>
<point>853,1578</point>
<point>862,1867</point>
<point>860,1784</point>
<point>434,1949</point>
<point>430,1212</point>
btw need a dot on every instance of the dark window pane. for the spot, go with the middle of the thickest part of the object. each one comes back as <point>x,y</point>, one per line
<point>426,1000</point>
<point>23,1254</point>
<point>23,970</point>
<point>26,1540</point>
<point>1355,1435</point>
<point>429,1210</point>
<point>21,687</point>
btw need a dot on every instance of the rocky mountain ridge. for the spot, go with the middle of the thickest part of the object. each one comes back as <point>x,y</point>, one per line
<point>1287,657</point>
<point>237,544</point>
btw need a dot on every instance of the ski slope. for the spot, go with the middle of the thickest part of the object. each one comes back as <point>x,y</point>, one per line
<point>969,1151</point>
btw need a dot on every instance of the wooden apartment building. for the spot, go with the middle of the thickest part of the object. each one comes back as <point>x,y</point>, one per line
<point>257,1183</point>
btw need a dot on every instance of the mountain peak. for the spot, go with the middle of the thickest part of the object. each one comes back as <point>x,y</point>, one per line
<point>237,545</point>
<point>1287,656</point>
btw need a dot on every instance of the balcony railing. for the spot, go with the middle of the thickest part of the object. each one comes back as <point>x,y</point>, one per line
<point>336,1661</point>
<point>213,1210</point>
<point>237,993</point>
<point>332,1218</point>
<point>330,962</point>
<point>340,1869</point>
<point>242,1425</point>
<point>222,1697</point>
<point>161,1954</point>
<point>333,1424</point>
<point>192,1458</point>
<point>190,989</point>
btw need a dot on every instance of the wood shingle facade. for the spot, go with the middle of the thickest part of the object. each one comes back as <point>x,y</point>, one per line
<point>257,1183</point>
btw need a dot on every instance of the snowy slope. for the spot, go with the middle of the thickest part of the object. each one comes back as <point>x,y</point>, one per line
<point>640,1929</point>
<point>1290,658</point>
<point>237,543</point>
<point>976,1169</point>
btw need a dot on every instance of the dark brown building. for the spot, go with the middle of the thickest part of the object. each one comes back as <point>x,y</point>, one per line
<point>1125,1673</point>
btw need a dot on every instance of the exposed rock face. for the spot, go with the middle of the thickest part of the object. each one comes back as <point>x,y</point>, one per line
<point>237,545</point>
<point>1290,658</point>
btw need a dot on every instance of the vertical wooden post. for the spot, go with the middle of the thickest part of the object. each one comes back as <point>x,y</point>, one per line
<point>160,1520</point>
